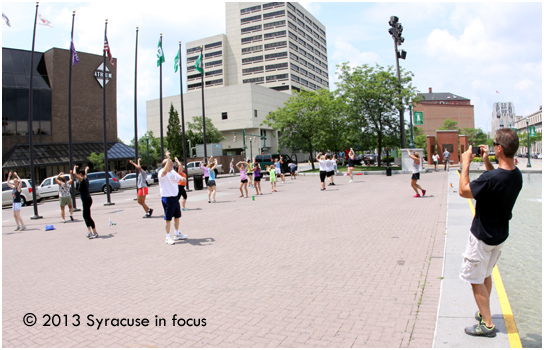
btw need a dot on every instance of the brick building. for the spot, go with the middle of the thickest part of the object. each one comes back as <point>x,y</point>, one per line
<point>50,111</point>
<point>439,106</point>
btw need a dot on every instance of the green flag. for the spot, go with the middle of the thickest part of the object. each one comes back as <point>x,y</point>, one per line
<point>198,64</point>
<point>160,53</point>
<point>176,63</point>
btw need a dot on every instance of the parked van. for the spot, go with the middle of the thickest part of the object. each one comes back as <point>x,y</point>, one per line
<point>97,182</point>
<point>26,193</point>
<point>268,159</point>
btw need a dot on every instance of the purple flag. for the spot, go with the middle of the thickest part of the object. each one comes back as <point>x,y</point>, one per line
<point>75,59</point>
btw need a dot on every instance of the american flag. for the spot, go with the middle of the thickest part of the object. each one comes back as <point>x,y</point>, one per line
<point>107,49</point>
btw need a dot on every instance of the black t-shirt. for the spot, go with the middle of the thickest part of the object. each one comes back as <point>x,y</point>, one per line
<point>84,188</point>
<point>495,192</point>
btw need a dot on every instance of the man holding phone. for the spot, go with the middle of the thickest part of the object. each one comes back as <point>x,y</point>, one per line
<point>495,192</point>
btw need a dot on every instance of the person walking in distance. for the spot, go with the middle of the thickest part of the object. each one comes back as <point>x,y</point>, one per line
<point>17,204</point>
<point>351,163</point>
<point>86,199</point>
<point>65,197</point>
<point>322,169</point>
<point>446,159</point>
<point>231,171</point>
<point>142,187</point>
<point>181,185</point>
<point>241,165</point>
<point>436,157</point>
<point>415,174</point>
<point>168,183</point>
<point>257,175</point>
<point>495,192</point>
<point>211,182</point>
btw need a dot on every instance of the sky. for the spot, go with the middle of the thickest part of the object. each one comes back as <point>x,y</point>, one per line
<point>486,52</point>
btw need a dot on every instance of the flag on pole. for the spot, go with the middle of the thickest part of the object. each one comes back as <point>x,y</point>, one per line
<point>107,49</point>
<point>176,63</point>
<point>160,53</point>
<point>75,58</point>
<point>198,64</point>
<point>44,21</point>
<point>497,92</point>
<point>6,19</point>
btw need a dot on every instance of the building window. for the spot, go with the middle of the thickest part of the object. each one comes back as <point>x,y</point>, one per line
<point>252,70</point>
<point>275,55</point>
<point>213,54</point>
<point>252,39</point>
<point>275,45</point>
<point>254,80</point>
<point>252,29</point>
<point>255,113</point>
<point>252,49</point>
<point>224,116</point>
<point>276,66</point>
<point>251,19</point>
<point>250,9</point>
<point>213,45</point>
<point>274,24</point>
<point>275,34</point>
<point>273,4</point>
<point>274,14</point>
<point>252,59</point>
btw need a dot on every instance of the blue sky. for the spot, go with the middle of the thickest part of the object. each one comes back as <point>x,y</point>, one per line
<point>473,50</point>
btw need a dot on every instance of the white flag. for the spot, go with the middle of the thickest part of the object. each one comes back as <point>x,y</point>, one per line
<point>44,21</point>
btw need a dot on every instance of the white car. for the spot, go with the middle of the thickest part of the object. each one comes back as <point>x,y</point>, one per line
<point>26,193</point>
<point>193,168</point>
<point>49,187</point>
<point>130,180</point>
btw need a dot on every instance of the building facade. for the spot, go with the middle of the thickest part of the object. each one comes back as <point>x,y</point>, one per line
<point>269,51</point>
<point>533,119</point>
<point>50,111</point>
<point>503,116</point>
<point>439,106</point>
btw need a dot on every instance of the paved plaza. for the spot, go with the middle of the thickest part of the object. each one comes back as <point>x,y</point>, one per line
<point>357,265</point>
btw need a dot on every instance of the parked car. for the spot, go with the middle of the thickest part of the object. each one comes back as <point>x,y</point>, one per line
<point>268,159</point>
<point>50,188</point>
<point>130,180</point>
<point>193,168</point>
<point>26,193</point>
<point>97,182</point>
<point>370,158</point>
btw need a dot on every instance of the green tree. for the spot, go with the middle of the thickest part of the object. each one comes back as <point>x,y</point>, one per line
<point>372,97</point>
<point>475,136</point>
<point>174,139</point>
<point>97,160</point>
<point>450,125</point>
<point>532,140</point>
<point>301,121</point>
<point>195,135</point>
<point>154,149</point>
<point>420,139</point>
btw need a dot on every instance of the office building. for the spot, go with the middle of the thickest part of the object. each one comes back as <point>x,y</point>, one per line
<point>503,116</point>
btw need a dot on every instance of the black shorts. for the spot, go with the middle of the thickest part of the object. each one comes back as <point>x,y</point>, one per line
<point>330,173</point>
<point>211,183</point>
<point>415,176</point>
<point>244,181</point>
<point>322,175</point>
<point>257,178</point>
<point>182,192</point>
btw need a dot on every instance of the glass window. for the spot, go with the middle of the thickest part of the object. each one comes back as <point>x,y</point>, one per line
<point>224,116</point>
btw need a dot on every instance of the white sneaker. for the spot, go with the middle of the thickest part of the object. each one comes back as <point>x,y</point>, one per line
<point>23,228</point>
<point>169,240</point>
<point>180,237</point>
<point>18,228</point>
<point>213,201</point>
<point>350,180</point>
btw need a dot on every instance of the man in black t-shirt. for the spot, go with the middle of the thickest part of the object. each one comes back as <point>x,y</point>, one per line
<point>495,192</point>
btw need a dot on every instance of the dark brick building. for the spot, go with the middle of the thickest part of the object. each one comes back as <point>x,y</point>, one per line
<point>50,112</point>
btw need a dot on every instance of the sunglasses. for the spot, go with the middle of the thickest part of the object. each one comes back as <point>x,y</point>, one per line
<point>496,144</point>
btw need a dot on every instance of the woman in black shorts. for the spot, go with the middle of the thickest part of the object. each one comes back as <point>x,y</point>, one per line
<point>257,177</point>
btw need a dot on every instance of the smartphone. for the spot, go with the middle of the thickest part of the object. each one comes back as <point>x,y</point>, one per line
<point>476,150</point>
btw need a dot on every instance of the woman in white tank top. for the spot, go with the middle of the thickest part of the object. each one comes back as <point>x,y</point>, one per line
<point>415,174</point>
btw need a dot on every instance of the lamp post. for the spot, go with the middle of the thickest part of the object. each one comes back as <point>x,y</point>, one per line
<point>147,141</point>
<point>396,32</point>
<point>528,145</point>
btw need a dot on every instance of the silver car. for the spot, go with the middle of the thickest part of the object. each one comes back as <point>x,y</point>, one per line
<point>26,193</point>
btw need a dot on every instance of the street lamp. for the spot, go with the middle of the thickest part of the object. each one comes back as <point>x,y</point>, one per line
<point>411,145</point>
<point>396,32</point>
<point>528,145</point>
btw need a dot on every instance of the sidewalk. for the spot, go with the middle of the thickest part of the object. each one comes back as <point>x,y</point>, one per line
<point>357,265</point>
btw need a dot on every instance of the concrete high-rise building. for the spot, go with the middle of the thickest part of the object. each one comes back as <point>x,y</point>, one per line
<point>278,46</point>
<point>504,116</point>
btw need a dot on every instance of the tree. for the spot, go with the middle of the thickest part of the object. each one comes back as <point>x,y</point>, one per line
<point>195,135</point>
<point>475,136</point>
<point>532,140</point>
<point>372,97</point>
<point>97,160</point>
<point>420,139</point>
<point>174,139</point>
<point>154,148</point>
<point>450,125</point>
<point>301,121</point>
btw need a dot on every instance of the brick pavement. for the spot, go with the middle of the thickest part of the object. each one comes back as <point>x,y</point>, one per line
<point>357,265</point>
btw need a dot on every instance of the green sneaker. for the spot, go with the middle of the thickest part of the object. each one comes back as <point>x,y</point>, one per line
<point>480,330</point>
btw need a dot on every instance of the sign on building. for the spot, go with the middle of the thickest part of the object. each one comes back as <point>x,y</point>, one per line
<point>418,118</point>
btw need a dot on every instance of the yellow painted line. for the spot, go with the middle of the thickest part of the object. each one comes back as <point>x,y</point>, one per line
<point>511,328</point>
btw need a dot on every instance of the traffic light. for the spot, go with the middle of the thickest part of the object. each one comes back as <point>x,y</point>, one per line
<point>234,138</point>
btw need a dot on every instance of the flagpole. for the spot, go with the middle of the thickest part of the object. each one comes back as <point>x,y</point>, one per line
<point>136,108</point>
<point>182,115</point>
<point>70,155</point>
<point>160,103</point>
<point>203,112</point>
<point>30,122</point>
<point>108,202</point>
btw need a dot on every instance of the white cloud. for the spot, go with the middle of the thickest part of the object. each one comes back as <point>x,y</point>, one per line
<point>524,85</point>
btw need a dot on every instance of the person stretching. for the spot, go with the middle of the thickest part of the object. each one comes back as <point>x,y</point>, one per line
<point>65,197</point>
<point>16,193</point>
<point>86,199</point>
<point>211,182</point>
<point>168,183</point>
<point>415,174</point>
<point>241,165</point>
<point>257,180</point>
<point>142,187</point>
<point>351,163</point>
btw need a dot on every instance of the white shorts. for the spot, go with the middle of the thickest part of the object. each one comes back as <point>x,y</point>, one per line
<point>479,260</point>
<point>17,206</point>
